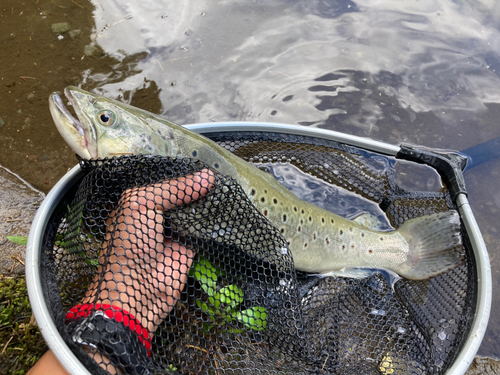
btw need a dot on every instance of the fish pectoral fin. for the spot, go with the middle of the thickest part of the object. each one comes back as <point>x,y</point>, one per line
<point>369,221</point>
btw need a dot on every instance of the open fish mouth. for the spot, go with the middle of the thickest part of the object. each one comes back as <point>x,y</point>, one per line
<point>80,133</point>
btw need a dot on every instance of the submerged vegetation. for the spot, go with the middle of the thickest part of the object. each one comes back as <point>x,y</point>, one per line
<point>222,304</point>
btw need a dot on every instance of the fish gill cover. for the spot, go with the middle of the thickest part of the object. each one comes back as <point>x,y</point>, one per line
<point>236,305</point>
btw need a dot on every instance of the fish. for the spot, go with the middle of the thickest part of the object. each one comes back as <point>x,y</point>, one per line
<point>319,241</point>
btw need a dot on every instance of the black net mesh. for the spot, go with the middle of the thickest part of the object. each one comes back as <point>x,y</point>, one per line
<point>158,265</point>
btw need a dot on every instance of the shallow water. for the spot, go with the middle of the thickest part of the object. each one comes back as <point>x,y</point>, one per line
<point>423,72</point>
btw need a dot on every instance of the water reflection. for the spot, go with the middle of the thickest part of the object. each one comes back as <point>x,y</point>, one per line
<point>329,197</point>
<point>316,63</point>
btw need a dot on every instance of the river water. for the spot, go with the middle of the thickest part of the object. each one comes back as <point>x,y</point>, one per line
<point>424,72</point>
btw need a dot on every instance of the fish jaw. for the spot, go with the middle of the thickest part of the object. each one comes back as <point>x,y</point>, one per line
<point>79,135</point>
<point>132,130</point>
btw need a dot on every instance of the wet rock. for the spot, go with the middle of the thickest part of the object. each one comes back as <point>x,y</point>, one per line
<point>93,50</point>
<point>60,27</point>
<point>18,205</point>
<point>74,33</point>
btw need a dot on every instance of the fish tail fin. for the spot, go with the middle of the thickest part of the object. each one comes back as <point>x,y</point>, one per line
<point>434,245</point>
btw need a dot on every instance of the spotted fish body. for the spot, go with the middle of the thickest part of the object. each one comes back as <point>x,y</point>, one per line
<point>319,240</point>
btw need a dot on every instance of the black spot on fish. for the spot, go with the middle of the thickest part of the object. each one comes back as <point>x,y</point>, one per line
<point>282,230</point>
<point>252,192</point>
<point>262,199</point>
<point>381,238</point>
<point>195,153</point>
<point>343,247</point>
<point>305,245</point>
<point>295,209</point>
<point>370,251</point>
<point>314,235</point>
<point>265,213</point>
<point>341,232</point>
<point>327,241</point>
<point>284,218</point>
<point>310,218</point>
<point>301,221</point>
<point>333,222</point>
<point>216,165</point>
<point>362,234</point>
<point>298,229</point>
<point>302,212</point>
<point>323,220</point>
<point>275,201</point>
<point>350,229</point>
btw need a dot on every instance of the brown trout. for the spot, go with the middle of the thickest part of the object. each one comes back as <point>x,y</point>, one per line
<point>319,240</point>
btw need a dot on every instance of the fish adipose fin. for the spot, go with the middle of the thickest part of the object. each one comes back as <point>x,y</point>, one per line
<point>434,245</point>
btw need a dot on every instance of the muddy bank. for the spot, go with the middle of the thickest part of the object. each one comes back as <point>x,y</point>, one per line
<point>18,205</point>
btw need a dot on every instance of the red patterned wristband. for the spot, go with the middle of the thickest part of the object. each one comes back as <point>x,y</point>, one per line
<point>116,313</point>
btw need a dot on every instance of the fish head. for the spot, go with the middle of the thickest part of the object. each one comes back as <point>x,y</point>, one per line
<point>107,128</point>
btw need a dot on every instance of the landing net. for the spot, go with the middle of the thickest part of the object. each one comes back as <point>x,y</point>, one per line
<point>152,265</point>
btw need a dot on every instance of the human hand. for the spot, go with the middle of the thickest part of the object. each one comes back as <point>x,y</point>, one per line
<point>145,271</point>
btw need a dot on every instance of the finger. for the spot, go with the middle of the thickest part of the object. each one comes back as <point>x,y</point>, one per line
<point>186,189</point>
<point>141,222</point>
<point>164,195</point>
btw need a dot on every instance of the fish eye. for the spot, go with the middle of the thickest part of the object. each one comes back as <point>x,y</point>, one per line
<point>106,117</point>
